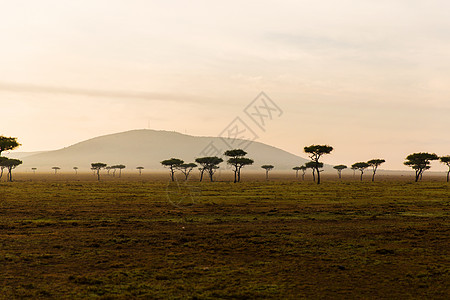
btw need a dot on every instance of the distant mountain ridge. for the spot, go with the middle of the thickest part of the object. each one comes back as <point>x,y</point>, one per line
<point>148,148</point>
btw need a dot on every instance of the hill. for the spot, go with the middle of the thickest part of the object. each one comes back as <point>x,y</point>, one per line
<point>148,147</point>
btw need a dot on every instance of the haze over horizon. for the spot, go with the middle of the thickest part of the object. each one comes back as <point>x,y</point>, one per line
<point>370,79</point>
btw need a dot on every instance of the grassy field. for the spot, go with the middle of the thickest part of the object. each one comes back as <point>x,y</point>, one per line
<point>122,239</point>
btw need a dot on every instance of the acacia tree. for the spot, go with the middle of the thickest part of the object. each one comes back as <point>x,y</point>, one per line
<point>354,169</point>
<point>56,169</point>
<point>303,169</point>
<point>209,164</point>
<point>8,143</point>
<point>10,165</point>
<point>76,170</point>
<point>267,168</point>
<point>339,169</point>
<point>140,170</point>
<point>32,169</point>
<point>296,169</point>
<point>420,162</point>
<point>315,152</point>
<point>97,167</point>
<point>238,161</point>
<point>186,169</point>
<point>314,166</point>
<point>172,164</point>
<point>361,166</point>
<point>375,163</point>
<point>446,160</point>
<point>120,167</point>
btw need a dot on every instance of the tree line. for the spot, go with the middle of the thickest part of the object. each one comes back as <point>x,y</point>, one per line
<point>236,158</point>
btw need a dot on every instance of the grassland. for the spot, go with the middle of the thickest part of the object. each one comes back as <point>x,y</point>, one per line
<point>122,239</point>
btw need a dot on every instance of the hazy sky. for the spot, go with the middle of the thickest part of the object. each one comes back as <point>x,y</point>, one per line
<point>371,78</point>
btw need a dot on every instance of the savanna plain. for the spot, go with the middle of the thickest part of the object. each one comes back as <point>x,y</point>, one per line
<point>143,237</point>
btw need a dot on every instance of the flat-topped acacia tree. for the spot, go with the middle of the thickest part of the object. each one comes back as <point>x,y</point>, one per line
<point>56,169</point>
<point>120,167</point>
<point>237,161</point>
<point>296,169</point>
<point>76,170</point>
<point>446,160</point>
<point>375,163</point>
<point>420,162</point>
<point>314,153</point>
<point>172,164</point>
<point>140,170</point>
<point>268,168</point>
<point>361,166</point>
<point>10,165</point>
<point>97,167</point>
<point>339,169</point>
<point>8,143</point>
<point>209,164</point>
<point>32,169</point>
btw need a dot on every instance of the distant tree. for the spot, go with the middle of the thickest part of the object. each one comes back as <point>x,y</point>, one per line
<point>303,169</point>
<point>375,163</point>
<point>267,168</point>
<point>446,160</point>
<point>97,167</point>
<point>186,169</point>
<point>209,164</point>
<point>140,170</point>
<point>339,169</point>
<point>202,170</point>
<point>10,165</point>
<point>420,162</point>
<point>56,169</point>
<point>296,169</point>
<point>238,161</point>
<point>315,167</point>
<point>32,169</point>
<point>108,169</point>
<point>361,166</point>
<point>315,152</point>
<point>8,143</point>
<point>354,169</point>
<point>120,167</point>
<point>172,164</point>
<point>76,170</point>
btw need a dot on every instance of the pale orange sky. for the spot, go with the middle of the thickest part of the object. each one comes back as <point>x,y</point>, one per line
<point>370,78</point>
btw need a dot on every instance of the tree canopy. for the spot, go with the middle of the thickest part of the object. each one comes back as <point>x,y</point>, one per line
<point>9,164</point>
<point>237,161</point>
<point>8,143</point>
<point>339,169</point>
<point>97,167</point>
<point>446,160</point>
<point>361,166</point>
<point>375,163</point>
<point>209,164</point>
<point>172,164</point>
<point>267,168</point>
<point>186,169</point>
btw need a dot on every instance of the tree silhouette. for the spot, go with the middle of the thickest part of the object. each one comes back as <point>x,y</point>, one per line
<point>10,165</point>
<point>172,164</point>
<point>446,160</point>
<point>339,169</point>
<point>303,169</point>
<point>8,143</point>
<point>186,169</point>
<point>420,162</point>
<point>140,170</point>
<point>108,169</point>
<point>267,168</point>
<point>56,169</point>
<point>97,167</point>
<point>120,167</point>
<point>76,170</point>
<point>315,152</point>
<point>354,169</point>
<point>32,169</point>
<point>209,164</point>
<point>361,166</point>
<point>375,163</point>
<point>314,166</point>
<point>237,161</point>
<point>296,169</point>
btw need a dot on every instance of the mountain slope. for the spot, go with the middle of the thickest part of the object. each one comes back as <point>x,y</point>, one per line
<point>148,147</point>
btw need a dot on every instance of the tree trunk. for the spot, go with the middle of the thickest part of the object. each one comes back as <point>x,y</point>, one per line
<point>303,176</point>
<point>267,175</point>
<point>211,173</point>
<point>362,172</point>
<point>448,173</point>
<point>296,173</point>
<point>10,174</point>
<point>171,173</point>
<point>314,175</point>
<point>201,174</point>
<point>98,175</point>
<point>235,174</point>
<point>239,175</point>
<point>318,176</point>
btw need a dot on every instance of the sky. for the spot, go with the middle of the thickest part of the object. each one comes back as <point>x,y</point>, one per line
<point>370,78</point>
